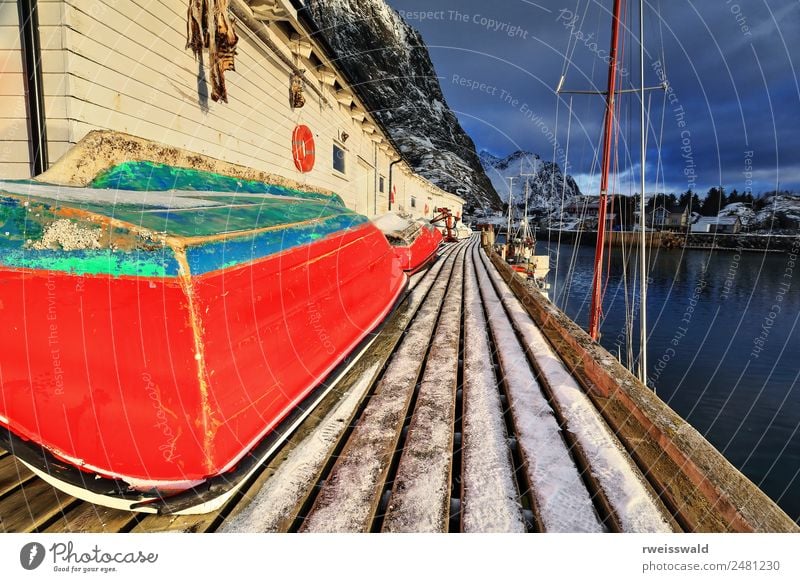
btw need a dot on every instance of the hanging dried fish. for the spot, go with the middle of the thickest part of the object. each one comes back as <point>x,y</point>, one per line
<point>296,87</point>
<point>195,27</point>
<point>209,26</point>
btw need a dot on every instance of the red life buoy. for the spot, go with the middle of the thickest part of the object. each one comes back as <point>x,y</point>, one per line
<point>392,193</point>
<point>303,148</point>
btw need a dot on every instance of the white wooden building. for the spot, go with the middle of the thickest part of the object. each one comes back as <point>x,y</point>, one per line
<point>718,225</point>
<point>121,65</point>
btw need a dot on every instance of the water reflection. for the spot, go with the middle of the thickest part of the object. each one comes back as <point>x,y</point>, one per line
<point>724,346</point>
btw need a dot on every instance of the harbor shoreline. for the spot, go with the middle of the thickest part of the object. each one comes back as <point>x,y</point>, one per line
<point>774,243</point>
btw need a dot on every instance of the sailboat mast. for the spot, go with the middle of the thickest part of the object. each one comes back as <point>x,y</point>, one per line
<point>594,314</point>
<point>643,240</point>
<point>510,207</point>
<point>525,231</point>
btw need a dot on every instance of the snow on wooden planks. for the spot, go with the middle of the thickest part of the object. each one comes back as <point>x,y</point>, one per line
<point>634,505</point>
<point>349,498</point>
<point>490,500</point>
<point>276,505</point>
<point>563,503</point>
<point>420,499</point>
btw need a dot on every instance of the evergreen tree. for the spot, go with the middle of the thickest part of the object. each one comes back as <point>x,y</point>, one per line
<point>715,200</point>
<point>690,200</point>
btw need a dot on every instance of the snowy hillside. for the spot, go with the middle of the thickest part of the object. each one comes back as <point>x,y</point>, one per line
<point>546,185</point>
<point>780,213</point>
<point>774,214</point>
<point>743,211</point>
<point>389,62</point>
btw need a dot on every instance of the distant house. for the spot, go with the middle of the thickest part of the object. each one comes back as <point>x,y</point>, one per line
<point>678,217</point>
<point>718,225</point>
<point>583,207</point>
<point>668,217</point>
<point>585,211</point>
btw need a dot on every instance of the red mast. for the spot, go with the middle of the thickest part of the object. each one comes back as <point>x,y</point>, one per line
<point>597,291</point>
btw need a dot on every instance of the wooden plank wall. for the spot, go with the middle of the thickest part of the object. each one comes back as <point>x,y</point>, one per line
<point>120,65</point>
<point>14,155</point>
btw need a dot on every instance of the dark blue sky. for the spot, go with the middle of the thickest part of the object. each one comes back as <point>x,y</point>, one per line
<point>733,110</point>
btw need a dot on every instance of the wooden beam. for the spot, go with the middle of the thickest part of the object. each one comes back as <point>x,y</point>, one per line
<point>344,98</point>
<point>326,75</point>
<point>272,10</point>
<point>301,46</point>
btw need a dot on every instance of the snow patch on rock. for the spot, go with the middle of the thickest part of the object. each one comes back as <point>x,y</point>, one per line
<point>547,185</point>
<point>390,64</point>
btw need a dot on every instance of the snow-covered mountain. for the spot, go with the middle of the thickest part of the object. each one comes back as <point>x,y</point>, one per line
<point>546,183</point>
<point>389,62</point>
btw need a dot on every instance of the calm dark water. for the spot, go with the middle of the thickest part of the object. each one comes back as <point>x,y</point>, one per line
<point>724,348</point>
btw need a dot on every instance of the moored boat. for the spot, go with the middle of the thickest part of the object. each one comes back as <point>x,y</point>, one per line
<point>414,241</point>
<point>463,232</point>
<point>155,338</point>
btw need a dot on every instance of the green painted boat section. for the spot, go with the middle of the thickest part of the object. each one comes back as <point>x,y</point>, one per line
<point>258,220</point>
<point>237,215</point>
<point>148,176</point>
<point>232,214</point>
<point>15,223</point>
<point>22,224</point>
<point>231,252</point>
<point>94,262</point>
<point>184,202</point>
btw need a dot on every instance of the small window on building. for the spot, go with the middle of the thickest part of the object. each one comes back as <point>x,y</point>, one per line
<point>339,159</point>
<point>380,184</point>
<point>413,202</point>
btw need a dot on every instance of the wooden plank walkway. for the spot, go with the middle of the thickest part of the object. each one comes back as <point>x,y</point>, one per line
<point>459,417</point>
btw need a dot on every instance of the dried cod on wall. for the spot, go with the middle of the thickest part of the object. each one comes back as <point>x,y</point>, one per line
<point>296,87</point>
<point>209,26</point>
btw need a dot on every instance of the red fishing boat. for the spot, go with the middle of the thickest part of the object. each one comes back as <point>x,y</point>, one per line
<point>157,342</point>
<point>414,241</point>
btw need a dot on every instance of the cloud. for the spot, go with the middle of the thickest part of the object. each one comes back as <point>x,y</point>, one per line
<point>731,70</point>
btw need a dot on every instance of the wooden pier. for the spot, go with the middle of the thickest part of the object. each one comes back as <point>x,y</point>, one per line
<point>470,411</point>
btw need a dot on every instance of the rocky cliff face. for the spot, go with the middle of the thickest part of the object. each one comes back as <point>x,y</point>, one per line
<point>389,61</point>
<point>546,183</point>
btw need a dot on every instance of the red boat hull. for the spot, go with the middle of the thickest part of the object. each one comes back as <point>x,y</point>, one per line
<point>421,251</point>
<point>165,382</point>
